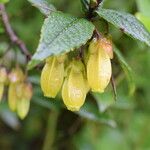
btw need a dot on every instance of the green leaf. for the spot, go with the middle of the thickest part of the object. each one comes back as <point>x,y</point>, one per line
<point>61,33</point>
<point>8,116</point>
<point>104,100</point>
<point>43,101</point>
<point>43,5</point>
<point>101,3</point>
<point>127,69</point>
<point>1,29</point>
<point>127,23</point>
<point>144,7</point>
<point>144,19</point>
<point>85,5</point>
<point>4,1</point>
<point>90,112</point>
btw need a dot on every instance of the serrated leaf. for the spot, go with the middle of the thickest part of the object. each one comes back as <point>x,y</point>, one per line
<point>127,69</point>
<point>61,33</point>
<point>127,23</point>
<point>43,5</point>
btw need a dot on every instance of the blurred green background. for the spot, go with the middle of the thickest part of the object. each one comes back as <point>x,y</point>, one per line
<point>102,123</point>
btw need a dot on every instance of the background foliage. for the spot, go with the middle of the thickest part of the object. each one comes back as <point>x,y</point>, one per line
<point>102,123</point>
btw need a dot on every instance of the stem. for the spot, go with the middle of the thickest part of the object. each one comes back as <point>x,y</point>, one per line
<point>51,129</point>
<point>114,87</point>
<point>12,36</point>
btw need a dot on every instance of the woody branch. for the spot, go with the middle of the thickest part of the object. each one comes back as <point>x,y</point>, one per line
<point>10,32</point>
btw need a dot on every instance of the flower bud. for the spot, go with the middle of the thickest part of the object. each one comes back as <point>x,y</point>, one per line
<point>1,90</point>
<point>16,75</point>
<point>12,96</point>
<point>3,75</point>
<point>106,44</point>
<point>28,91</point>
<point>20,90</point>
<point>75,87</point>
<point>52,76</point>
<point>15,91</point>
<point>93,3</point>
<point>98,66</point>
<point>23,106</point>
<point>3,78</point>
<point>23,103</point>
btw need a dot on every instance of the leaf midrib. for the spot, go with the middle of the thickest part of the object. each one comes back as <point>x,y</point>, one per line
<point>70,24</point>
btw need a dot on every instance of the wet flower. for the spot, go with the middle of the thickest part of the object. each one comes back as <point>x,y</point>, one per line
<point>99,65</point>
<point>52,76</point>
<point>23,102</point>
<point>15,90</point>
<point>75,86</point>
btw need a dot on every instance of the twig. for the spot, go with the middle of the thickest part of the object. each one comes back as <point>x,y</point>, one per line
<point>114,87</point>
<point>97,34</point>
<point>51,130</point>
<point>107,27</point>
<point>12,36</point>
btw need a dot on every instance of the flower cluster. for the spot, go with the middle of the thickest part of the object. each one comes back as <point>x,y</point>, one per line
<point>19,91</point>
<point>76,77</point>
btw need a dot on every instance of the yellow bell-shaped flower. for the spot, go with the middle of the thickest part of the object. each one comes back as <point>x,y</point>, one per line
<point>98,67</point>
<point>1,90</point>
<point>52,76</point>
<point>75,87</point>
<point>23,103</point>
<point>3,78</point>
<point>15,91</point>
<point>16,75</point>
<point>23,106</point>
<point>107,45</point>
<point>12,96</point>
<point>3,75</point>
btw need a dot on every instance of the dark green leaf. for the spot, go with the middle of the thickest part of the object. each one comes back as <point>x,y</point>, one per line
<point>85,5</point>
<point>127,69</point>
<point>127,23</point>
<point>44,6</point>
<point>61,33</point>
<point>101,3</point>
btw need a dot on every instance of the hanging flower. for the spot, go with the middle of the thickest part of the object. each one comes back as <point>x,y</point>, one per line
<point>3,79</point>
<point>75,86</point>
<point>99,65</point>
<point>52,76</point>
